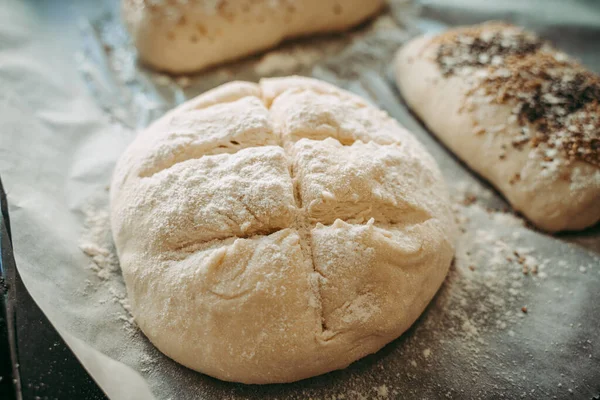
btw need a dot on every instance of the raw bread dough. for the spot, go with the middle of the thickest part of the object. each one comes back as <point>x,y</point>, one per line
<point>186,36</point>
<point>523,115</point>
<point>273,232</point>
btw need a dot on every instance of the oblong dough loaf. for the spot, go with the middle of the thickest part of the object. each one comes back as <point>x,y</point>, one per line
<point>187,36</point>
<point>276,231</point>
<point>523,115</point>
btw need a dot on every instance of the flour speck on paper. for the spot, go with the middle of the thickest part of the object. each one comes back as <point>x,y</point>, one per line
<point>96,242</point>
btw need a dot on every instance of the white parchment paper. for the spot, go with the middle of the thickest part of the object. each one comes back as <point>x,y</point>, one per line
<point>72,98</point>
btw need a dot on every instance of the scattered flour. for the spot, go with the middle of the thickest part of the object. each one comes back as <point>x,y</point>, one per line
<point>291,58</point>
<point>96,242</point>
<point>382,391</point>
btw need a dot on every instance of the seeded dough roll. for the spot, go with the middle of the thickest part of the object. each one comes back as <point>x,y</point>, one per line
<point>520,113</point>
<point>186,36</point>
<point>276,231</point>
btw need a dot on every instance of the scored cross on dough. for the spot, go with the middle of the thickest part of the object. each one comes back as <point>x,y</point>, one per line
<point>358,182</point>
<point>224,163</point>
<point>290,216</point>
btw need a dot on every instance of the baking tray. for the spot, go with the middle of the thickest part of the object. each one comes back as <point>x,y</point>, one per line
<point>517,317</point>
<point>10,384</point>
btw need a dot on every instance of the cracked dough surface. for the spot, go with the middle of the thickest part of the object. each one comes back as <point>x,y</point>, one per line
<point>262,242</point>
<point>187,36</point>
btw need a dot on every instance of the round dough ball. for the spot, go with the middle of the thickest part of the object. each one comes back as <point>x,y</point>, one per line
<point>272,232</point>
<point>186,36</point>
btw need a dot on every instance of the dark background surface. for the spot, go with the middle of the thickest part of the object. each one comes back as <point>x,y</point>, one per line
<point>47,368</point>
